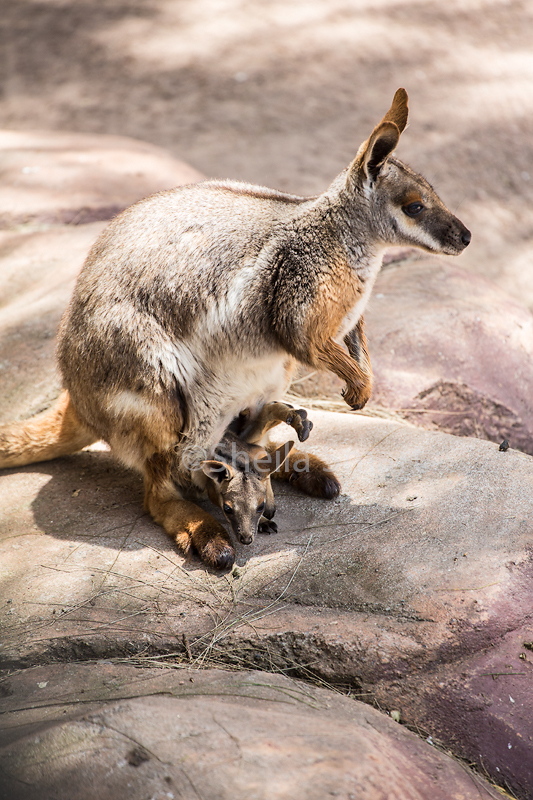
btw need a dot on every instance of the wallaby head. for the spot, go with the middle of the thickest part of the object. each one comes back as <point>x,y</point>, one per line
<point>238,482</point>
<point>404,208</point>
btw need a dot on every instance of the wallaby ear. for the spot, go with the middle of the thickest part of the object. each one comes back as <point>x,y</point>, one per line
<point>273,461</point>
<point>383,140</point>
<point>399,110</point>
<point>382,143</point>
<point>217,471</point>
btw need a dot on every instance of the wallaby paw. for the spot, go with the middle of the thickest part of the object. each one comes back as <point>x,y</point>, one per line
<point>357,396</point>
<point>218,555</point>
<point>297,419</point>
<point>317,483</point>
<point>267,526</point>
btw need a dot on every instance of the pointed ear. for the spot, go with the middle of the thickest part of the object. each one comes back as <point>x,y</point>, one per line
<point>217,471</point>
<point>399,110</point>
<point>273,461</point>
<point>375,152</point>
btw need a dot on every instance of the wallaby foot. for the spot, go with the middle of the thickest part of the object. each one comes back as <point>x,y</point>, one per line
<point>297,419</point>
<point>310,475</point>
<point>271,415</point>
<point>189,526</point>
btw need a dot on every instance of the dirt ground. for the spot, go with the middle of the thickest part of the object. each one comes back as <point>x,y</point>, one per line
<point>282,93</point>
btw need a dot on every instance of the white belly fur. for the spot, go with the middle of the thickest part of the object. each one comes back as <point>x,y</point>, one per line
<point>260,381</point>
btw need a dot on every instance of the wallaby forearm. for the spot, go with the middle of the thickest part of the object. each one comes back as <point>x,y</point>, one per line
<point>357,346</point>
<point>356,343</point>
<point>330,355</point>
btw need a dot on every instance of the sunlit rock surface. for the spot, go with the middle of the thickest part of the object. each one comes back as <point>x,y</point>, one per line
<point>412,590</point>
<point>116,731</point>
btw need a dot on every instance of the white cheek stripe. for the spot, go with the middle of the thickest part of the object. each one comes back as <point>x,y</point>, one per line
<point>418,235</point>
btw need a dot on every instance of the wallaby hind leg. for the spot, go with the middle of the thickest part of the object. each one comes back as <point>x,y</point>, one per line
<point>273,414</point>
<point>309,474</point>
<point>56,432</point>
<point>185,522</point>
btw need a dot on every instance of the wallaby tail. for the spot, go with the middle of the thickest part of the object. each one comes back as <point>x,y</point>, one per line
<point>56,432</point>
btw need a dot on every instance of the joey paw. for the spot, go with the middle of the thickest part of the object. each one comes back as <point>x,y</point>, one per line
<point>225,559</point>
<point>218,555</point>
<point>297,419</point>
<point>267,526</point>
<point>318,482</point>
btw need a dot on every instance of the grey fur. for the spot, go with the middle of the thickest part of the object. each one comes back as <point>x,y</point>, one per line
<point>194,305</point>
<point>197,301</point>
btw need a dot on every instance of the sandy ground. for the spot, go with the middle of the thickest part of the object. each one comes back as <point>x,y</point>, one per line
<point>282,93</point>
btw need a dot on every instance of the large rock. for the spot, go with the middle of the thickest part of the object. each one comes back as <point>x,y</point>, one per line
<point>409,589</point>
<point>74,178</point>
<point>38,270</point>
<point>452,350</point>
<point>126,732</point>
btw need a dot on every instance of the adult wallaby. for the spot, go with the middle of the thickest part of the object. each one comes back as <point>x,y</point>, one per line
<point>197,303</point>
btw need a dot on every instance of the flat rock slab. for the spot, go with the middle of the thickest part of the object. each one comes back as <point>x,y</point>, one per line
<point>73,178</point>
<point>139,733</point>
<point>413,588</point>
<point>452,350</point>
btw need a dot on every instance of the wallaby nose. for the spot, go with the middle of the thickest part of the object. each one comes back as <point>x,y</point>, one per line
<point>466,237</point>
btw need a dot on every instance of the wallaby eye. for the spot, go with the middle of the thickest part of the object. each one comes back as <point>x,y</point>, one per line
<point>227,509</point>
<point>261,508</point>
<point>413,209</point>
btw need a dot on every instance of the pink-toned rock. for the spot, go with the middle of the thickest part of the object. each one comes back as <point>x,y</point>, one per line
<point>452,350</point>
<point>397,591</point>
<point>139,733</point>
<point>74,178</point>
<point>37,274</point>
<point>411,588</point>
<point>449,349</point>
